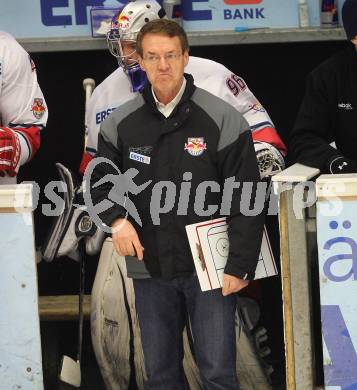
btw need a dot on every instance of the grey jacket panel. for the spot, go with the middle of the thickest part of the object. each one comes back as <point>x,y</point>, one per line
<point>233,124</point>
<point>108,128</point>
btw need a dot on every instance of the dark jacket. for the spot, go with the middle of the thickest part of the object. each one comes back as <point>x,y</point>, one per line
<point>204,136</point>
<point>328,113</point>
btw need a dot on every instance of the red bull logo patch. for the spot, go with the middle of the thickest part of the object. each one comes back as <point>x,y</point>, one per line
<point>195,146</point>
<point>38,108</point>
<point>123,21</point>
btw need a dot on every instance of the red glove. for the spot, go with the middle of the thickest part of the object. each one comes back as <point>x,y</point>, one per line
<point>10,151</point>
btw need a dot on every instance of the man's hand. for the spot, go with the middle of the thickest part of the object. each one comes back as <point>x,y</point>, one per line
<point>232,284</point>
<point>126,240</point>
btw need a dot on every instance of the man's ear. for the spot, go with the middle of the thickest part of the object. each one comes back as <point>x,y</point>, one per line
<point>186,57</point>
<point>141,63</point>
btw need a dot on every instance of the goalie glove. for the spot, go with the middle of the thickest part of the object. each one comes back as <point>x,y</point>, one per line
<point>270,160</point>
<point>10,151</point>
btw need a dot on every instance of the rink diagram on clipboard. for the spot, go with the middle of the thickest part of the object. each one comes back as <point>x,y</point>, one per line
<point>210,248</point>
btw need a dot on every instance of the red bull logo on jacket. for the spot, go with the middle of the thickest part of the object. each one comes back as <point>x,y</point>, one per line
<point>195,146</point>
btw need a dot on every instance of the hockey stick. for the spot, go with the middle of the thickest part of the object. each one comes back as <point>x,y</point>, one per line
<point>88,86</point>
<point>71,369</point>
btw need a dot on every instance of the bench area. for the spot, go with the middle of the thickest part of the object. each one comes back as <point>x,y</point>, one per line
<point>62,307</point>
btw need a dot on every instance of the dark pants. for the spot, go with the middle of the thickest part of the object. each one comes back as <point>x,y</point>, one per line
<point>162,306</point>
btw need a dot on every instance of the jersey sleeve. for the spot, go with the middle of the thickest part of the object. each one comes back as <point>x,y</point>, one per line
<point>22,104</point>
<point>234,90</point>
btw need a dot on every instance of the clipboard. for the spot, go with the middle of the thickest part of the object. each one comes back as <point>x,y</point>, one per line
<point>210,247</point>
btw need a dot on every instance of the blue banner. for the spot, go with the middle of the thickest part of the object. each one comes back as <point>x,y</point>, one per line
<point>200,15</point>
<point>206,15</point>
<point>338,290</point>
<point>64,18</point>
<point>50,18</point>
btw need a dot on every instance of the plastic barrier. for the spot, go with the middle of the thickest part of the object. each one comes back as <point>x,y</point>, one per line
<point>331,250</point>
<point>297,238</point>
<point>20,345</point>
<point>336,218</point>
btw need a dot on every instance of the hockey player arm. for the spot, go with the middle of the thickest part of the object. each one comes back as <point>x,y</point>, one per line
<point>22,108</point>
<point>17,146</point>
<point>269,147</point>
<point>86,159</point>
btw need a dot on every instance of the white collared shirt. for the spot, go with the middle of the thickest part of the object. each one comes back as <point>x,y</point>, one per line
<point>166,109</point>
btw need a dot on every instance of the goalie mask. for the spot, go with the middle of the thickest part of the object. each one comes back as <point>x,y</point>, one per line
<point>121,37</point>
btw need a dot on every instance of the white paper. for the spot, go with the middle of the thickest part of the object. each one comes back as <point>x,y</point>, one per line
<point>210,247</point>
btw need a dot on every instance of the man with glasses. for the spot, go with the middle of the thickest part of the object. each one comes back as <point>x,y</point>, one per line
<point>161,125</point>
<point>129,79</point>
<point>124,84</point>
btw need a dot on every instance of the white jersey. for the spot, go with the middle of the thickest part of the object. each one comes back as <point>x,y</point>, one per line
<point>22,105</point>
<point>215,78</point>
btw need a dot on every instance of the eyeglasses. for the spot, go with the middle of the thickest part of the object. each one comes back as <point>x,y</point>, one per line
<point>154,58</point>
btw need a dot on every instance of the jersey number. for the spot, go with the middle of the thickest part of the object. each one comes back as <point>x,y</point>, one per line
<point>235,84</point>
